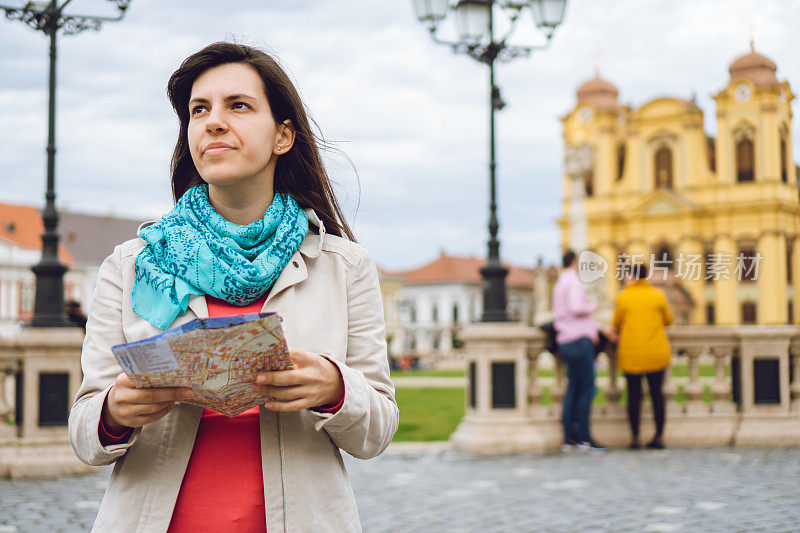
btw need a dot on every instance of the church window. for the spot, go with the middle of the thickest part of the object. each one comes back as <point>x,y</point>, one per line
<point>748,257</point>
<point>748,313</point>
<point>707,267</point>
<point>664,168</point>
<point>589,183</point>
<point>712,153</point>
<point>744,160</point>
<point>710,318</point>
<point>620,161</point>
<point>661,262</point>
<point>784,155</point>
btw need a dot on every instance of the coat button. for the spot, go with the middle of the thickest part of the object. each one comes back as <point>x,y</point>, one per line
<point>295,264</point>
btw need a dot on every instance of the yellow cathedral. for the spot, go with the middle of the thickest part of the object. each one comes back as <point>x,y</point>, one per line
<point>657,186</point>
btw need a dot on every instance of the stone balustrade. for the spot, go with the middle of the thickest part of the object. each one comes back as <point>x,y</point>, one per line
<point>39,375</point>
<point>753,397</point>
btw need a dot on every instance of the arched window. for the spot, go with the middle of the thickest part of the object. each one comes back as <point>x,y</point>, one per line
<point>661,262</point>
<point>710,318</point>
<point>784,155</point>
<point>620,161</point>
<point>745,160</point>
<point>663,168</point>
<point>664,254</point>
<point>749,313</point>
<point>589,183</point>
<point>712,153</point>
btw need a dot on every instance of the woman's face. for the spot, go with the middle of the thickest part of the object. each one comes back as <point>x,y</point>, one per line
<point>232,134</point>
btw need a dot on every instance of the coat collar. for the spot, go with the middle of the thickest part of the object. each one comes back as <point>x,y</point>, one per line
<point>312,243</point>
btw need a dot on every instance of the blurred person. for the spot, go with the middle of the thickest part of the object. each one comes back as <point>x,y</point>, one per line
<point>75,314</point>
<point>256,227</point>
<point>643,350</point>
<point>576,338</point>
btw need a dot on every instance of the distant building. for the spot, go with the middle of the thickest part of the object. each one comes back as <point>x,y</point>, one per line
<point>437,299</point>
<point>721,214</point>
<point>85,241</point>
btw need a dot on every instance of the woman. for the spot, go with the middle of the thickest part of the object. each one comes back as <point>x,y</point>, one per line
<point>256,227</point>
<point>643,349</point>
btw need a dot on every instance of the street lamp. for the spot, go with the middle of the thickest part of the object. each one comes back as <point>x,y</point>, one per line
<point>49,17</point>
<point>476,38</point>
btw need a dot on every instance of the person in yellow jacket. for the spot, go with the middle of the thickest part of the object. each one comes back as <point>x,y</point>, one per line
<point>643,349</point>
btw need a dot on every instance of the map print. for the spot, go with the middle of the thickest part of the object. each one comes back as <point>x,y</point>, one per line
<point>218,358</point>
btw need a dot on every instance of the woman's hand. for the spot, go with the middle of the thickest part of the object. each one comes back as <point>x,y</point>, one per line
<point>611,333</point>
<point>129,407</point>
<point>313,382</point>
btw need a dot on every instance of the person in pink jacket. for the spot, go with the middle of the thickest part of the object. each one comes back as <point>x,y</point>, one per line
<point>576,335</point>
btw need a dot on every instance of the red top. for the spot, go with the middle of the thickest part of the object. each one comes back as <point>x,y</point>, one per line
<point>223,488</point>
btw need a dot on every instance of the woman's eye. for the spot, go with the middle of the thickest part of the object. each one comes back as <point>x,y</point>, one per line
<point>241,105</point>
<point>197,109</point>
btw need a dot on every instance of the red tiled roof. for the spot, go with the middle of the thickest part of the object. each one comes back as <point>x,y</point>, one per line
<point>454,268</point>
<point>22,225</point>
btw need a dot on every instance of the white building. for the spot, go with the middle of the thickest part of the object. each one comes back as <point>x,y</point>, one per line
<point>437,299</point>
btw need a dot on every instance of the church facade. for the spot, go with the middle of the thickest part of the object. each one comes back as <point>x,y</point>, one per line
<point>719,215</point>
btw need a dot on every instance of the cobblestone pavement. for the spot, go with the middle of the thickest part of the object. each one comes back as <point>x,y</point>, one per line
<point>725,490</point>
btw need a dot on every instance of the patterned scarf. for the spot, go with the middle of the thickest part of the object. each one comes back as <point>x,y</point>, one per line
<point>194,250</point>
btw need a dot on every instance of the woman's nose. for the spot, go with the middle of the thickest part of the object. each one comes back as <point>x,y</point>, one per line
<point>216,121</point>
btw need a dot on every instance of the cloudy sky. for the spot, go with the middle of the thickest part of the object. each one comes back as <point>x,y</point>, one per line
<point>411,116</point>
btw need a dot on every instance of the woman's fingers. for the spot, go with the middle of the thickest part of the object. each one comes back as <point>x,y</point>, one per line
<point>132,407</point>
<point>283,394</point>
<point>281,378</point>
<point>285,407</point>
<point>143,419</point>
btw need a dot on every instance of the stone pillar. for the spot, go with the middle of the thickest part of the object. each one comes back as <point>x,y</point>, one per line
<point>535,392</point>
<point>41,447</point>
<point>772,300</point>
<point>689,273</point>
<point>541,293</point>
<point>726,306</point>
<point>721,388</point>
<point>772,422</point>
<point>795,386</point>
<point>8,369</point>
<point>607,290</point>
<point>578,162</point>
<point>796,277</point>
<point>694,389</point>
<point>497,418</point>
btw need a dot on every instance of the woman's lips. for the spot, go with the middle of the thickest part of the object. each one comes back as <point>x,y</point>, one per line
<point>217,150</point>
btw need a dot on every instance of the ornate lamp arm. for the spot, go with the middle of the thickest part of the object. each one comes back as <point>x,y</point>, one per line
<point>70,24</point>
<point>495,50</point>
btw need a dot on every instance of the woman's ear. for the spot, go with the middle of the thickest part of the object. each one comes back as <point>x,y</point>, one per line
<point>285,137</point>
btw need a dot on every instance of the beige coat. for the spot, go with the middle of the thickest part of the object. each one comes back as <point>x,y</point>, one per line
<point>330,301</point>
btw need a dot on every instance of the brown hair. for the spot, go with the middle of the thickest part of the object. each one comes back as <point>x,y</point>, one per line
<point>299,172</point>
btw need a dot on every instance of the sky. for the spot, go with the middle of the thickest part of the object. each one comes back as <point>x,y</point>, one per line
<point>410,115</point>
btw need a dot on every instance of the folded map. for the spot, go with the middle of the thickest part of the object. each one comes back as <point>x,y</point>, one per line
<point>218,358</point>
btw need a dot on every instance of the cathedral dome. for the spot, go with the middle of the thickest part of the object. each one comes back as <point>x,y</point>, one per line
<point>757,68</point>
<point>599,93</point>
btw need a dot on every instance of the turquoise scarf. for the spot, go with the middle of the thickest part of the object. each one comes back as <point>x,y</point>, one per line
<point>193,250</point>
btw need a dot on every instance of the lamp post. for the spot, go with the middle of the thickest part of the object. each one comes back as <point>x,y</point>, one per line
<point>49,17</point>
<point>475,20</point>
